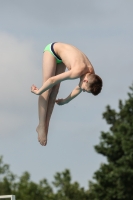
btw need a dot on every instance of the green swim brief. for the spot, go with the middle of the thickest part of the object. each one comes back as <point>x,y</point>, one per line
<point>50,48</point>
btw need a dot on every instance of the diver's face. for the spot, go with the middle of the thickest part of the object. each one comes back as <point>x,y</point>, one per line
<point>84,85</point>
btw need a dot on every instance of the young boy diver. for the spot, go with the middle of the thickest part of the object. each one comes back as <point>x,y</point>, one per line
<point>58,57</point>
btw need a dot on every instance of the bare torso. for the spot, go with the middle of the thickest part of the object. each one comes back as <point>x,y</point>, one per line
<point>73,58</point>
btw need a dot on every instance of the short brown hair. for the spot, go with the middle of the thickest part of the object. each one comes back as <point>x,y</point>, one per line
<point>96,84</point>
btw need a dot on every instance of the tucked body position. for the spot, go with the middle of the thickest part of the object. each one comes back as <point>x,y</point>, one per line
<point>58,57</point>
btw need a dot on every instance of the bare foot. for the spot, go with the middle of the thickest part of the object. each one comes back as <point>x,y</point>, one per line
<point>42,135</point>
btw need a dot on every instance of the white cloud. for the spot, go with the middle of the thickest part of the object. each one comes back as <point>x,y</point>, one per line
<point>18,71</point>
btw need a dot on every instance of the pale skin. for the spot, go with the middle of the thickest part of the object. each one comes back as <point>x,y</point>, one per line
<point>78,66</point>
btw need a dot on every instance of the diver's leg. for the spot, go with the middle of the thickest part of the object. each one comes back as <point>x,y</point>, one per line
<point>49,69</point>
<point>59,69</point>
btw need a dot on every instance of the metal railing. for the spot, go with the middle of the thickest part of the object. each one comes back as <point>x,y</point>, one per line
<point>12,197</point>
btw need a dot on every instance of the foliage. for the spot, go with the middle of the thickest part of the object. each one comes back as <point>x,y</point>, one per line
<point>25,189</point>
<point>114,180</point>
<point>66,190</point>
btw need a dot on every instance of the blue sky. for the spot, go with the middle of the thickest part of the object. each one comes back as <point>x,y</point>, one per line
<point>103,30</point>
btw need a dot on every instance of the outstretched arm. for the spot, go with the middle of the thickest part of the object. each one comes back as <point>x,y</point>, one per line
<point>53,81</point>
<point>72,95</point>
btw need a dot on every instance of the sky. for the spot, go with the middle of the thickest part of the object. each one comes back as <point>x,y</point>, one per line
<point>103,30</point>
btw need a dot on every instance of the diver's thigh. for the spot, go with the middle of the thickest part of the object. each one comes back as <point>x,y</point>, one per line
<point>49,65</point>
<point>60,68</point>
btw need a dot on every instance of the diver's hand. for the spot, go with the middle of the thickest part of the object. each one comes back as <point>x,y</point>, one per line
<point>34,89</point>
<point>60,102</point>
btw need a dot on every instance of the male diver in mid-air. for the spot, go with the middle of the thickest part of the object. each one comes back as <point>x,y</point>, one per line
<point>58,57</point>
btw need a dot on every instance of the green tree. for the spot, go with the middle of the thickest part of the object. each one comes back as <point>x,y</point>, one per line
<point>25,189</point>
<point>114,180</point>
<point>6,178</point>
<point>67,190</point>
